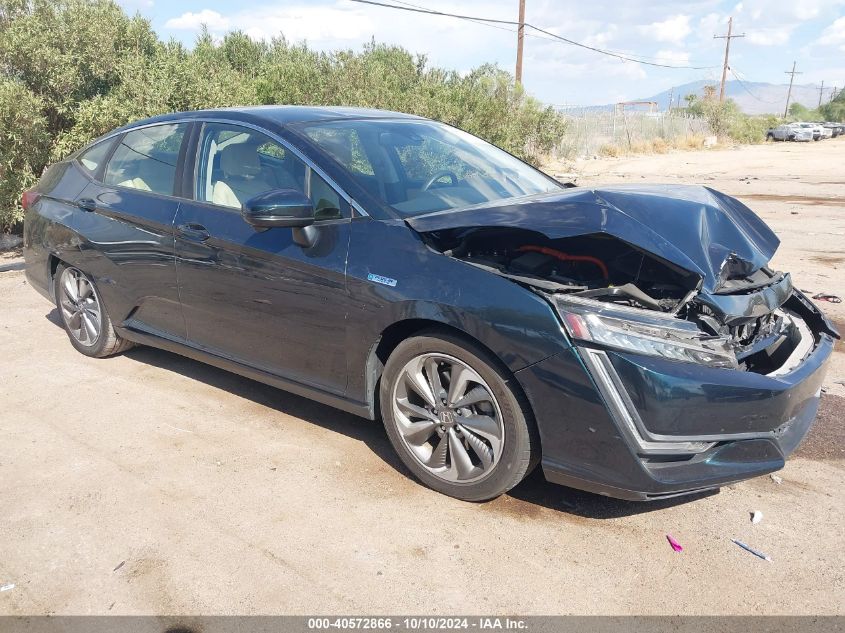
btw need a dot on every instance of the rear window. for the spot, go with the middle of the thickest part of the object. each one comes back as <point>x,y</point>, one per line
<point>146,159</point>
<point>93,157</point>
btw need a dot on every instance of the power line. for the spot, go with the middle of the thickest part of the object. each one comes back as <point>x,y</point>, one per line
<point>734,72</point>
<point>537,36</point>
<point>530,26</point>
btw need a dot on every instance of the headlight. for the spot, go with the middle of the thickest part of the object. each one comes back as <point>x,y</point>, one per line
<point>641,332</point>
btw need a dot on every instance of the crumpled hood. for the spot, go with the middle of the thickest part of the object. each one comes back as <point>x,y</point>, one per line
<point>699,229</point>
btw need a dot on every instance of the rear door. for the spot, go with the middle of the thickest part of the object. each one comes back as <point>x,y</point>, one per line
<point>252,295</point>
<point>129,209</point>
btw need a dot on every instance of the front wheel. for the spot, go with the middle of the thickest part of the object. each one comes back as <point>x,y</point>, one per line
<point>84,316</point>
<point>456,419</point>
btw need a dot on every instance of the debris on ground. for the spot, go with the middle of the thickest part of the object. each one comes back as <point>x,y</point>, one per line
<point>756,516</point>
<point>121,564</point>
<point>751,550</point>
<point>826,297</point>
<point>776,478</point>
<point>675,545</point>
<point>7,587</point>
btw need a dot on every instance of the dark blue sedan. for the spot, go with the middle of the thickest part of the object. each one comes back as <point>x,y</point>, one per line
<point>632,340</point>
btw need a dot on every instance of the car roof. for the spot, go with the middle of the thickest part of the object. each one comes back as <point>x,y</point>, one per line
<point>280,115</point>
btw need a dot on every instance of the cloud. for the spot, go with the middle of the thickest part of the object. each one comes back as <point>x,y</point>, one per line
<point>834,35</point>
<point>774,36</point>
<point>193,21</point>
<point>673,29</point>
<point>676,58</point>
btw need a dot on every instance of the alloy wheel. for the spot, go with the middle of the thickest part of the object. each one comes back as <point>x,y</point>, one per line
<point>80,306</point>
<point>448,418</point>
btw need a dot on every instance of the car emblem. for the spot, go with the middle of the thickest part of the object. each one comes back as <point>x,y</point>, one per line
<point>446,417</point>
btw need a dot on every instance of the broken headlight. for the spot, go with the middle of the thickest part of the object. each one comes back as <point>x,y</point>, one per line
<point>642,332</point>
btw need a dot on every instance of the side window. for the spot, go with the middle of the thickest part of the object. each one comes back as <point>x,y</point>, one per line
<point>93,157</point>
<point>146,159</point>
<point>236,164</point>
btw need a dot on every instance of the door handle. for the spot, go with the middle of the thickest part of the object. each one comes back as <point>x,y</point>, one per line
<point>193,231</point>
<point>86,204</point>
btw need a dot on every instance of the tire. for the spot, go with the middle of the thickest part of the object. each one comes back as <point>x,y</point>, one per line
<point>770,137</point>
<point>84,317</point>
<point>494,429</point>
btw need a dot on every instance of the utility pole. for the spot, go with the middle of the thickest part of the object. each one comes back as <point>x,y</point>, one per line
<point>671,96</point>
<point>821,90</point>
<point>727,39</point>
<point>791,74</point>
<point>520,37</point>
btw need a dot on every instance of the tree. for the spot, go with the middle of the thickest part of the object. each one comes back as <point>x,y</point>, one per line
<point>835,110</point>
<point>800,112</point>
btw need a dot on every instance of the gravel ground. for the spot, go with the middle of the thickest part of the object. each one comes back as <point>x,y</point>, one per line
<point>149,483</point>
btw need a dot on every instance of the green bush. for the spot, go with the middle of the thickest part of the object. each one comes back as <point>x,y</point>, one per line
<point>72,70</point>
<point>727,121</point>
<point>24,147</point>
<point>835,110</point>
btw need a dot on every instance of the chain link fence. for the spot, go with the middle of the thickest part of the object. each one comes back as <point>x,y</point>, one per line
<point>590,131</point>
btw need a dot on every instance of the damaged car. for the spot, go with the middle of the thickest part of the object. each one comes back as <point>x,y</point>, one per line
<point>632,341</point>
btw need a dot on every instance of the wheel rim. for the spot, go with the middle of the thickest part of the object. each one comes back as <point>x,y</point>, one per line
<point>448,418</point>
<point>80,307</point>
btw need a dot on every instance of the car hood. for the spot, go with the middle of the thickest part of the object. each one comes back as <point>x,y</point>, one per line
<point>701,230</point>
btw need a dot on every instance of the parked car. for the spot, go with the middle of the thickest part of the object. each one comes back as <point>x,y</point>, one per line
<point>826,132</point>
<point>633,340</point>
<point>816,130</point>
<point>835,128</point>
<point>789,132</point>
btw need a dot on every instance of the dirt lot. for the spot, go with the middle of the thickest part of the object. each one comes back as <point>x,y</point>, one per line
<point>148,483</point>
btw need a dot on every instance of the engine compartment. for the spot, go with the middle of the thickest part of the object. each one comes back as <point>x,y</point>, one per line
<point>604,268</point>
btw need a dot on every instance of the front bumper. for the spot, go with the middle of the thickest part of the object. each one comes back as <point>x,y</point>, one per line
<point>603,417</point>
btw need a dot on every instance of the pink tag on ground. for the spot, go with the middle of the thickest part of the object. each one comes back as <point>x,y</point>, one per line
<point>675,545</point>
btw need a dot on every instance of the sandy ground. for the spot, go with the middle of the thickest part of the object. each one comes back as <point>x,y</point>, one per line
<point>149,483</point>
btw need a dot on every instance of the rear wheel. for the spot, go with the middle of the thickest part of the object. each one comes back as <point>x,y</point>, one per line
<point>455,418</point>
<point>770,137</point>
<point>84,316</point>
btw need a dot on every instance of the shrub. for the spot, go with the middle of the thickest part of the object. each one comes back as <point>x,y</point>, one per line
<point>75,69</point>
<point>24,147</point>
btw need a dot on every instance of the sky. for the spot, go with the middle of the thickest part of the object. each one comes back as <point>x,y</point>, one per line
<point>777,32</point>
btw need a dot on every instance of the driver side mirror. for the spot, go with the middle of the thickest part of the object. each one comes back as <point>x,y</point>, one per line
<point>279,207</point>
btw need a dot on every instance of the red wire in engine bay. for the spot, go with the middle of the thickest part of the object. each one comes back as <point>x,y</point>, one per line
<point>566,257</point>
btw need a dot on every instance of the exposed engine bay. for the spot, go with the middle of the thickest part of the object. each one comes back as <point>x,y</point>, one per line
<point>754,311</point>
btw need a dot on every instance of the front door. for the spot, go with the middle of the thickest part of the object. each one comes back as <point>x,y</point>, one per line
<point>253,295</point>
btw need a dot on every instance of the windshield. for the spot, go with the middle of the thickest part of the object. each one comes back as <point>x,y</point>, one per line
<point>417,167</point>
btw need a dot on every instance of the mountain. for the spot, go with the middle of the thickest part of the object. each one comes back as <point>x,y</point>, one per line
<point>751,97</point>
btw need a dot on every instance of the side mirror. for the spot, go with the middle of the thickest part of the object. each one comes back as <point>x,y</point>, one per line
<point>279,207</point>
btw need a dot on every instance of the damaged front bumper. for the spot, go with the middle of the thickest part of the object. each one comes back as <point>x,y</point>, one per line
<point>633,426</point>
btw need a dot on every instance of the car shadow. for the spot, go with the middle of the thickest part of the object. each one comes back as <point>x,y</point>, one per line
<point>534,491</point>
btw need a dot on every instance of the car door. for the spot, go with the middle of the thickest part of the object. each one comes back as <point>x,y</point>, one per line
<point>129,206</point>
<point>255,296</point>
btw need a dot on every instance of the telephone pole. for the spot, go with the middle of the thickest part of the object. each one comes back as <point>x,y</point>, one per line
<point>791,74</point>
<point>727,39</point>
<point>520,37</point>
<point>821,90</point>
